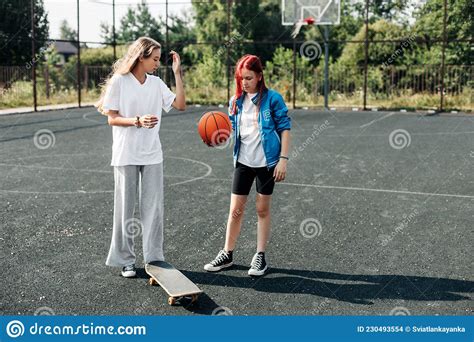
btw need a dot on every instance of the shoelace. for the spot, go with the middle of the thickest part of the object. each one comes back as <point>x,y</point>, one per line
<point>220,258</point>
<point>129,268</point>
<point>257,262</point>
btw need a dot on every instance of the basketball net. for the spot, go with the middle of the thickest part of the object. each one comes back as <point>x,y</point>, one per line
<point>300,24</point>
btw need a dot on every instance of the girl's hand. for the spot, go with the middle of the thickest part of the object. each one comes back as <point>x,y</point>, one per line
<point>176,62</point>
<point>280,170</point>
<point>148,121</point>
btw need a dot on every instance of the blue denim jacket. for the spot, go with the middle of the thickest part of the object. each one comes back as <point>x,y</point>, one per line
<point>272,120</point>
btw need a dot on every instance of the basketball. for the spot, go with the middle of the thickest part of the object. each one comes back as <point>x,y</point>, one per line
<point>214,128</point>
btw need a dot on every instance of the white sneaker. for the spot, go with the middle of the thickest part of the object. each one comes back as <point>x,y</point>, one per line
<point>129,271</point>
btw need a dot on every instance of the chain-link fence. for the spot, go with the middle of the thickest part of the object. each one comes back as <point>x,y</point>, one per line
<point>378,65</point>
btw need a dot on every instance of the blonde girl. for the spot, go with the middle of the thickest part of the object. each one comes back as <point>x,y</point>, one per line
<point>133,99</point>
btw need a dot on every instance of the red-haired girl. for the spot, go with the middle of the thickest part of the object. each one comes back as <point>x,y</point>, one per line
<point>261,127</point>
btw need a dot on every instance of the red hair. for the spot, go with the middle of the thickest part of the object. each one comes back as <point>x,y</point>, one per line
<point>253,63</point>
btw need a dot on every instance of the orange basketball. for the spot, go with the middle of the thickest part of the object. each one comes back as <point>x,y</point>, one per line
<point>214,128</point>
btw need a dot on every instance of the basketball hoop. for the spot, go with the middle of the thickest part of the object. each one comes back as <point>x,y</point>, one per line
<point>300,24</point>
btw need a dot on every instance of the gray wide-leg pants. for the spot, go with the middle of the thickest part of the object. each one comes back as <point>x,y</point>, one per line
<point>148,179</point>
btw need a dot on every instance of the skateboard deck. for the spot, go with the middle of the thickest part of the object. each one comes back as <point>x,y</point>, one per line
<point>175,283</point>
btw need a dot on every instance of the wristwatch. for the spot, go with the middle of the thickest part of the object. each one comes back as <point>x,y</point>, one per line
<point>137,122</point>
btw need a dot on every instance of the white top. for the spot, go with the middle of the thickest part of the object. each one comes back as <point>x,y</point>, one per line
<point>251,149</point>
<point>132,145</point>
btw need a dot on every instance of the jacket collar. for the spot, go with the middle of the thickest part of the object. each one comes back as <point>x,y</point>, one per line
<point>254,99</point>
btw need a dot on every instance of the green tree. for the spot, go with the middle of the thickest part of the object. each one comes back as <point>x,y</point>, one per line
<point>137,22</point>
<point>15,30</point>
<point>391,10</point>
<point>380,54</point>
<point>250,22</point>
<point>66,32</point>
<point>460,26</point>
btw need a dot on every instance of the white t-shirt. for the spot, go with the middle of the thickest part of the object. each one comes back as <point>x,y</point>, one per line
<point>251,149</point>
<point>132,145</point>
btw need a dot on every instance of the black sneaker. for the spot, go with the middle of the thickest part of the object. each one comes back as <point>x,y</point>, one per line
<point>258,266</point>
<point>222,260</point>
<point>129,271</point>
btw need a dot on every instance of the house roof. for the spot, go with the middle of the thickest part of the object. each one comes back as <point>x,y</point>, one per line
<point>65,48</point>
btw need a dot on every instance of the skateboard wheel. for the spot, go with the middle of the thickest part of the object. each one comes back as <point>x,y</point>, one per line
<point>171,300</point>
<point>152,281</point>
<point>194,298</point>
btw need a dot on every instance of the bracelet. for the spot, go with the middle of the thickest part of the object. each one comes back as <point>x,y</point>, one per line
<point>284,157</point>
<point>137,122</point>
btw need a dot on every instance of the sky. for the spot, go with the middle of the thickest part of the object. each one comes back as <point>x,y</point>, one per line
<point>93,12</point>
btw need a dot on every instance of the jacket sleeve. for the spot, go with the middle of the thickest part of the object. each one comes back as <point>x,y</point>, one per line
<point>231,117</point>
<point>280,113</point>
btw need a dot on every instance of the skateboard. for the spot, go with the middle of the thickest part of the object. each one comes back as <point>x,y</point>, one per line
<point>175,283</point>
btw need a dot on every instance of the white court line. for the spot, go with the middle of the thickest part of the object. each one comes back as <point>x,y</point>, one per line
<point>378,190</point>
<point>209,170</point>
<point>364,189</point>
<point>57,192</point>
<point>404,192</point>
<point>384,135</point>
<point>304,134</point>
<point>41,167</point>
<point>376,120</point>
<point>85,117</point>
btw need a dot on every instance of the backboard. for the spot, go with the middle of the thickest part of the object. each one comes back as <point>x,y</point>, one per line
<point>324,12</point>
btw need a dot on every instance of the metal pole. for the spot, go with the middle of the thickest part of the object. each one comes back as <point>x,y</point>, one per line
<point>443,55</point>
<point>294,73</point>
<point>326,66</point>
<point>229,4</point>
<point>33,59</point>
<point>78,59</point>
<point>167,74</point>
<point>114,42</point>
<point>366,51</point>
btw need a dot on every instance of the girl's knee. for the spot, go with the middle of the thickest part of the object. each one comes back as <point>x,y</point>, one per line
<point>237,212</point>
<point>263,211</point>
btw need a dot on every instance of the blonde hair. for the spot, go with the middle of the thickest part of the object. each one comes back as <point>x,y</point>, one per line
<point>142,47</point>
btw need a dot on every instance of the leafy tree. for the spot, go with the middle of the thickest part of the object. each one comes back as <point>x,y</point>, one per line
<point>66,32</point>
<point>391,10</point>
<point>460,26</point>
<point>380,54</point>
<point>134,24</point>
<point>15,30</point>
